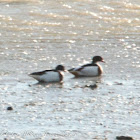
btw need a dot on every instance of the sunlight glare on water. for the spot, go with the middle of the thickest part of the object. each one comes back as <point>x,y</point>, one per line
<point>39,34</point>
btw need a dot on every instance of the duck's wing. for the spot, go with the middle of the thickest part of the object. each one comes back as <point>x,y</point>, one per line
<point>89,65</point>
<point>85,70</point>
<point>75,69</point>
<point>82,67</point>
<point>41,72</point>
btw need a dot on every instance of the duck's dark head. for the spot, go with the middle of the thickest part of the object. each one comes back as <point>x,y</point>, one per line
<point>97,59</point>
<point>60,67</point>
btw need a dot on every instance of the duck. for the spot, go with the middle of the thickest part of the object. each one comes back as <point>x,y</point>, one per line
<point>47,76</point>
<point>89,70</point>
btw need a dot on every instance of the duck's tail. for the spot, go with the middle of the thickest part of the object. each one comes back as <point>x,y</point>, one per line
<point>70,70</point>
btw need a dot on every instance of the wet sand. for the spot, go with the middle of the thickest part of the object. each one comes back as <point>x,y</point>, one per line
<point>37,38</point>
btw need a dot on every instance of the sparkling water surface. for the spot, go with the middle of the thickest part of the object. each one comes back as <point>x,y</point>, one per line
<point>39,34</point>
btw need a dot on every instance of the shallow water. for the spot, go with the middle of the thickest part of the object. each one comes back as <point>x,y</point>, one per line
<point>38,35</point>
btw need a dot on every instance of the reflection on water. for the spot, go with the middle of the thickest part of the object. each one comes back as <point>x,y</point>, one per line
<point>38,35</point>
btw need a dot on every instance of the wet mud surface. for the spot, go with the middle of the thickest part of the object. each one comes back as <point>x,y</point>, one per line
<point>99,108</point>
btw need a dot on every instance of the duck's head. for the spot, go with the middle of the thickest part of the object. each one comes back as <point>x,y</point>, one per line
<point>97,59</point>
<point>60,67</point>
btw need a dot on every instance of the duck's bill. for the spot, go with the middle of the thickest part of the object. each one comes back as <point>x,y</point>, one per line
<point>65,70</point>
<point>103,61</point>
